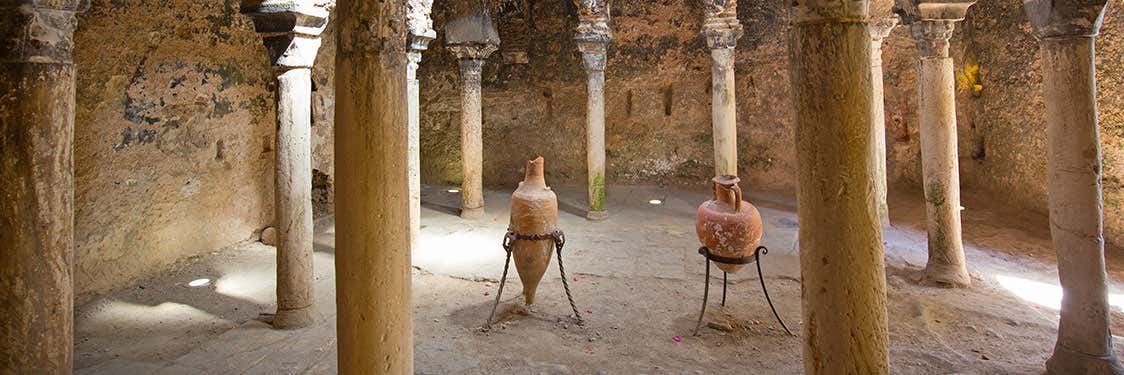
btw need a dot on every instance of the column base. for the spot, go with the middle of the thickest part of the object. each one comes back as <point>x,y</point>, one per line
<point>294,319</point>
<point>947,276</point>
<point>472,213</point>
<point>601,215</point>
<point>1065,361</point>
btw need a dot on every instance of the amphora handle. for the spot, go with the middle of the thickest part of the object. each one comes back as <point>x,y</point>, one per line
<point>724,186</point>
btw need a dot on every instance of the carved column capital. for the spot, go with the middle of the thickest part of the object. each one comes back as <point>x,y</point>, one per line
<point>880,28</point>
<point>473,51</point>
<point>420,25</point>
<point>1065,18</point>
<point>38,31</point>
<point>593,32</point>
<point>932,37</point>
<point>593,55</point>
<point>472,37</point>
<point>290,29</point>
<point>932,22</point>
<point>721,26</point>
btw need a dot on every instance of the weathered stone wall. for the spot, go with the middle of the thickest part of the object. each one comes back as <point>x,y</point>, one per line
<point>658,111</point>
<point>1003,128</point>
<point>175,123</point>
<point>657,97</point>
<point>174,136</point>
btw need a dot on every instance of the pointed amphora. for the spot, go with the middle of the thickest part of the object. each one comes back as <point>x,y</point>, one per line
<point>534,211</point>
<point>727,225</point>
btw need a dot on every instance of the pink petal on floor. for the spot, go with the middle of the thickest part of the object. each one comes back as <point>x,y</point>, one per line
<point>677,339</point>
<point>486,294</point>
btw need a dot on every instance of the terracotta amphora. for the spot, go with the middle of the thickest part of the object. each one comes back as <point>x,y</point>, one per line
<point>727,225</point>
<point>534,211</point>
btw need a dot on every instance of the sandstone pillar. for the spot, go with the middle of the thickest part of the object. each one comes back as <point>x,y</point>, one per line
<point>1067,30</point>
<point>594,36</point>
<point>722,31</point>
<point>373,300</point>
<point>472,39</point>
<point>421,33</point>
<point>291,33</point>
<point>879,29</point>
<point>932,23</point>
<point>37,76</point>
<point>841,252</point>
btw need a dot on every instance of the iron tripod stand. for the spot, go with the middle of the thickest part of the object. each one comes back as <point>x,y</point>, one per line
<point>509,239</point>
<point>755,258</point>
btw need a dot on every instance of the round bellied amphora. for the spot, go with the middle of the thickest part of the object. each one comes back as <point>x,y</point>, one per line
<point>534,211</point>
<point>727,225</point>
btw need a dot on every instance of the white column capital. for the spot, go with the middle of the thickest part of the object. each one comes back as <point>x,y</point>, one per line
<point>420,25</point>
<point>880,28</point>
<point>932,22</point>
<point>290,29</point>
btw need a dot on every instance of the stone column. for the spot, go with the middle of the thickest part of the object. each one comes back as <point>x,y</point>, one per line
<point>841,252</point>
<point>594,36</point>
<point>879,29</point>
<point>1067,30</point>
<point>291,33</point>
<point>373,297</point>
<point>472,39</point>
<point>37,89</point>
<point>932,23</point>
<point>722,31</point>
<point>421,33</point>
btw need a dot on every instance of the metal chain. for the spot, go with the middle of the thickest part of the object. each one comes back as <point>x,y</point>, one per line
<point>559,242</point>
<point>509,239</point>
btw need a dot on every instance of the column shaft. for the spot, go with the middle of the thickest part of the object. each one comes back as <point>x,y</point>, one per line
<point>413,113</point>
<point>295,277</point>
<point>941,172</point>
<point>939,162</point>
<point>37,101</point>
<point>841,253</point>
<point>595,143</point>
<point>472,140</point>
<point>36,217</point>
<point>724,111</point>
<point>1084,339</point>
<point>878,123</point>
<point>373,294</point>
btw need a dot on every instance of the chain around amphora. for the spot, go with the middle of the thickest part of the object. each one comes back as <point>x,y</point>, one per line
<point>727,225</point>
<point>534,211</point>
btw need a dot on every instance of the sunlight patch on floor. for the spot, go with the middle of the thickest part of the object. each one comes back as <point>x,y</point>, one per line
<point>1044,294</point>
